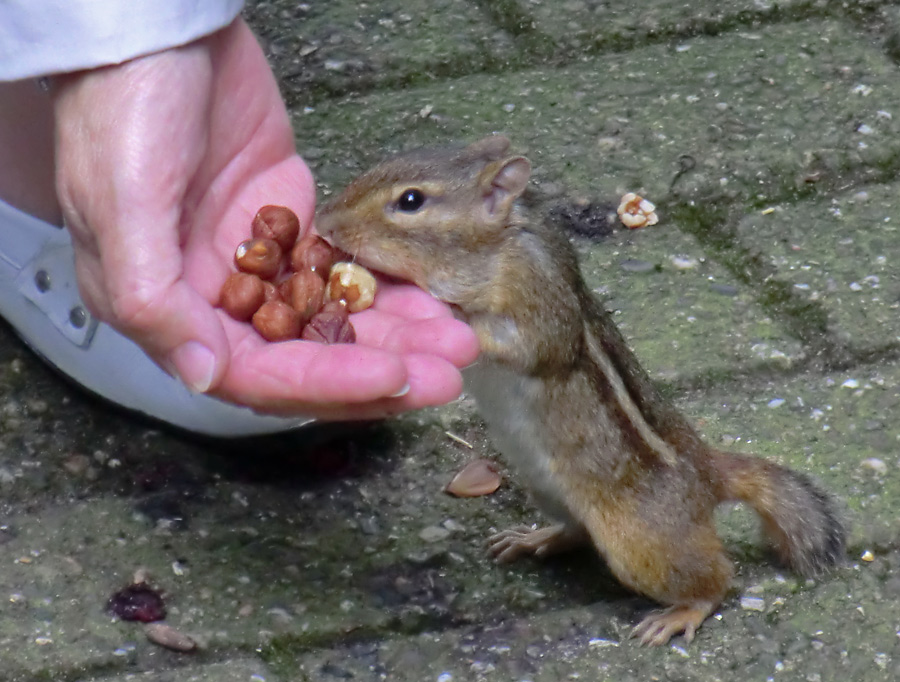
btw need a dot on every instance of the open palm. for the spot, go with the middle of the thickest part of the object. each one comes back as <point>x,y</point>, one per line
<point>161,164</point>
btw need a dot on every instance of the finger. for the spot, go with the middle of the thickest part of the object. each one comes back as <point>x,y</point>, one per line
<point>407,300</point>
<point>445,337</point>
<point>267,375</point>
<point>432,381</point>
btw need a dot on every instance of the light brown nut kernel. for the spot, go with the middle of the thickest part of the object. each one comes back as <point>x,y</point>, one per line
<point>277,321</point>
<point>242,295</point>
<point>352,284</point>
<point>306,293</point>
<point>278,223</point>
<point>260,257</point>
<point>635,211</point>
<point>312,253</point>
<point>330,325</point>
<point>170,638</point>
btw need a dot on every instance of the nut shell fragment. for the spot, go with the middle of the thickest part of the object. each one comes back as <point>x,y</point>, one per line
<point>479,477</point>
<point>352,284</point>
<point>635,211</point>
<point>170,638</point>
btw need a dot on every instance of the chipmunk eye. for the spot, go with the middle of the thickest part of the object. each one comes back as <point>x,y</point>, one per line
<point>411,200</point>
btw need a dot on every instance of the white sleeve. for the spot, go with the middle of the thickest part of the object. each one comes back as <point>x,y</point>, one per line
<point>42,37</point>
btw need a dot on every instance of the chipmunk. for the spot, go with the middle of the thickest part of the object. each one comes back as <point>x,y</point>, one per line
<point>602,452</point>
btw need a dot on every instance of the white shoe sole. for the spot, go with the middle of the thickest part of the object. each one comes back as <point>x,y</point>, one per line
<point>39,298</point>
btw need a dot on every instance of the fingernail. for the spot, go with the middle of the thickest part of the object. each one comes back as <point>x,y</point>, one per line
<point>195,365</point>
<point>402,392</point>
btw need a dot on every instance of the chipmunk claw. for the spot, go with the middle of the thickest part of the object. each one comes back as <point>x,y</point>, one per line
<point>518,541</point>
<point>660,626</point>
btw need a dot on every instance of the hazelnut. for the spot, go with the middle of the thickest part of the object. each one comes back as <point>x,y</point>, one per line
<point>312,253</point>
<point>330,325</point>
<point>277,321</point>
<point>259,257</point>
<point>242,295</point>
<point>306,293</point>
<point>352,284</point>
<point>278,223</point>
<point>284,290</point>
<point>635,211</point>
<point>272,292</point>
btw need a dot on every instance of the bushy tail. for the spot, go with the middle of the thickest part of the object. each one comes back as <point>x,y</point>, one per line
<point>799,517</point>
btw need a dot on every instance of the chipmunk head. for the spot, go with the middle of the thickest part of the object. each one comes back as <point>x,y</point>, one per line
<point>428,215</point>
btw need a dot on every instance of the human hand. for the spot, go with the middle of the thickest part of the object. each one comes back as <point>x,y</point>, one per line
<point>161,164</point>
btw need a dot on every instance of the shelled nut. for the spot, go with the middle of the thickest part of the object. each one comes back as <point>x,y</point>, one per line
<point>242,295</point>
<point>260,257</point>
<point>312,253</point>
<point>352,284</point>
<point>635,211</point>
<point>306,293</point>
<point>278,223</point>
<point>277,321</point>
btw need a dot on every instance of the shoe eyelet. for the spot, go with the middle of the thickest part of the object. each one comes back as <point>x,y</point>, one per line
<point>78,317</point>
<point>42,280</point>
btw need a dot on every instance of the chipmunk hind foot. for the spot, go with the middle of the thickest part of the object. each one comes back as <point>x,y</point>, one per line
<point>660,626</point>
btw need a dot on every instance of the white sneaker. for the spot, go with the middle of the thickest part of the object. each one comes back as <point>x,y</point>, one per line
<point>39,298</point>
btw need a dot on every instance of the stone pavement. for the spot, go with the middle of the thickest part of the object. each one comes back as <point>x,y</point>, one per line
<point>765,302</point>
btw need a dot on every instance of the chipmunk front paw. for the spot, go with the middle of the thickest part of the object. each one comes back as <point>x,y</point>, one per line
<point>514,543</point>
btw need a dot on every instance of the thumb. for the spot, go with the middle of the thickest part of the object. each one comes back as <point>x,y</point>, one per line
<point>174,324</point>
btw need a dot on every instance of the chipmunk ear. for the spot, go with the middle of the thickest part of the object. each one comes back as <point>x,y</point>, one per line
<point>503,182</point>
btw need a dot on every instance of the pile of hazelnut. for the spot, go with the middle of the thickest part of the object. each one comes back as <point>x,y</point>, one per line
<point>290,288</point>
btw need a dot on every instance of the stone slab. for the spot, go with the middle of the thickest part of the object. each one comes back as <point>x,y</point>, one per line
<point>840,426</point>
<point>593,24</point>
<point>841,253</point>
<point>684,315</point>
<point>323,47</point>
<point>749,115</point>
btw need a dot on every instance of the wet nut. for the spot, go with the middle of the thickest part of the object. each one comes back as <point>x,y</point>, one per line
<point>278,223</point>
<point>241,295</point>
<point>330,325</point>
<point>312,253</point>
<point>277,321</point>
<point>635,211</point>
<point>352,284</point>
<point>306,293</point>
<point>259,257</point>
